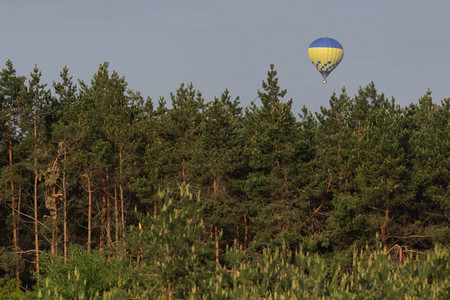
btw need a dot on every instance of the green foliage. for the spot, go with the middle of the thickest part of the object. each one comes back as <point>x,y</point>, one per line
<point>347,223</point>
<point>84,274</point>
<point>8,290</point>
<point>82,157</point>
<point>172,249</point>
<point>169,256</point>
<point>279,274</point>
<point>271,136</point>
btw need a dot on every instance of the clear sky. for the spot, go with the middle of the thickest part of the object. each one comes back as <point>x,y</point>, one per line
<point>401,45</point>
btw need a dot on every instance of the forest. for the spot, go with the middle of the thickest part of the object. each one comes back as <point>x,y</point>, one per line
<point>107,195</point>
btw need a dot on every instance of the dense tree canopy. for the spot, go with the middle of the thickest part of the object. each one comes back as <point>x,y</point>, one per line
<point>87,165</point>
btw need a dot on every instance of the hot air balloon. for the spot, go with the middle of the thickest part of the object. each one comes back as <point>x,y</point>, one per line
<point>325,54</point>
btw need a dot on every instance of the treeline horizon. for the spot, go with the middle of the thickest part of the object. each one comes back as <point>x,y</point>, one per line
<point>79,162</point>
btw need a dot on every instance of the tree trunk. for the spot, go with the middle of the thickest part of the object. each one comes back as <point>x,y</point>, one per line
<point>169,290</point>
<point>122,209</point>
<point>103,218</point>
<point>54,229</point>
<point>35,198</point>
<point>64,183</point>
<point>89,213</point>
<point>215,185</point>
<point>383,227</point>
<point>245,231</point>
<point>216,237</point>
<point>19,256</point>
<point>122,205</point>
<point>183,175</point>
<point>237,236</point>
<point>108,212</point>
<point>36,225</point>
<point>15,211</point>
<point>116,215</point>
<point>169,285</point>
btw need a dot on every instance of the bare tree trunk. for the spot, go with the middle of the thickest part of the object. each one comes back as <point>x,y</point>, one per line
<point>122,205</point>
<point>169,285</point>
<point>54,229</point>
<point>383,227</point>
<point>103,218</point>
<point>216,237</point>
<point>36,225</point>
<point>183,175</point>
<point>245,231</point>
<point>116,214</point>
<point>35,196</point>
<point>89,213</point>
<point>169,289</point>
<point>215,184</point>
<point>108,212</point>
<point>15,213</point>
<point>16,245</point>
<point>64,183</point>
<point>122,209</point>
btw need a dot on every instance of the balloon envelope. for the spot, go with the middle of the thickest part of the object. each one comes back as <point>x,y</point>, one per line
<point>325,54</point>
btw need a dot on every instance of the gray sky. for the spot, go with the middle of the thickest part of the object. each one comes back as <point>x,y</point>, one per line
<point>401,45</point>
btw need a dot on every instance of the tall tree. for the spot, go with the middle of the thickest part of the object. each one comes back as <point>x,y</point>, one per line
<point>333,161</point>
<point>65,139</point>
<point>216,162</point>
<point>106,111</point>
<point>117,125</point>
<point>271,135</point>
<point>429,160</point>
<point>183,122</point>
<point>10,87</point>
<point>173,246</point>
<point>172,138</point>
<point>383,174</point>
<point>337,143</point>
<point>36,102</point>
<point>146,148</point>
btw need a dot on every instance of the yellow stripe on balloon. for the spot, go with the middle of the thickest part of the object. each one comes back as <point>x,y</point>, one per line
<point>325,59</point>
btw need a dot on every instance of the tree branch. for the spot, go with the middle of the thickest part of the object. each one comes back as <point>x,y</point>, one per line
<point>321,204</point>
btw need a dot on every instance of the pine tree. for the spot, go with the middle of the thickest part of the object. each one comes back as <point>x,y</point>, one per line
<point>382,176</point>
<point>332,163</point>
<point>271,145</point>
<point>336,137</point>
<point>216,162</point>
<point>147,150</point>
<point>36,125</point>
<point>172,140</point>
<point>115,113</point>
<point>104,111</point>
<point>65,140</point>
<point>10,87</point>
<point>173,246</point>
<point>429,161</point>
<point>332,186</point>
<point>183,122</point>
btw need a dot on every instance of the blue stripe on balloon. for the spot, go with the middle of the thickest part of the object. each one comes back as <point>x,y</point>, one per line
<point>326,43</point>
